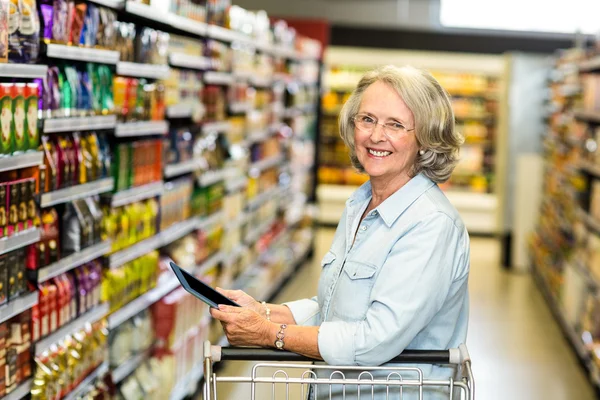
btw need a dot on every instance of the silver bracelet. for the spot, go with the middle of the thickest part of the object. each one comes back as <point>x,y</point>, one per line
<point>279,343</point>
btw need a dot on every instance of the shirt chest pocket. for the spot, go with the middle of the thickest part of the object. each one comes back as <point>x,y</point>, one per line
<point>352,296</point>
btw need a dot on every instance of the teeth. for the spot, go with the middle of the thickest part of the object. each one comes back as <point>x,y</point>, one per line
<point>380,153</point>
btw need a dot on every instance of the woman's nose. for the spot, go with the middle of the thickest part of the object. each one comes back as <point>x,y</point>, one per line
<point>378,134</point>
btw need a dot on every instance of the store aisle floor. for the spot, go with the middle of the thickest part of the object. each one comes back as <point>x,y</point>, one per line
<point>518,350</point>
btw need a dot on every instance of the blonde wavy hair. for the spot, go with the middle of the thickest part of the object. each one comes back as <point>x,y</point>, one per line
<point>432,110</point>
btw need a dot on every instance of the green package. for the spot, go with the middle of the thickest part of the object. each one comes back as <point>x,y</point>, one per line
<point>122,166</point>
<point>6,123</point>
<point>106,89</point>
<point>19,123</point>
<point>96,87</point>
<point>75,86</point>
<point>32,134</point>
<point>66,94</point>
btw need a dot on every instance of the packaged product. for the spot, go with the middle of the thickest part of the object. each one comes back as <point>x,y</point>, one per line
<point>90,26</point>
<point>4,10</point>
<point>46,19</point>
<point>23,199</point>
<point>3,348</point>
<point>74,298</point>
<point>31,116</point>
<point>106,89</point>
<point>52,306</point>
<point>11,369</point>
<point>6,116</point>
<point>13,208</point>
<point>74,84</point>
<point>29,32</point>
<point>60,21</point>
<point>18,110</point>
<point>104,156</point>
<point>49,181</point>
<point>77,22</point>
<point>125,41</point>
<point>3,210</point>
<point>86,104</point>
<point>107,34</point>
<point>97,217</point>
<point>3,279</point>
<point>32,215</point>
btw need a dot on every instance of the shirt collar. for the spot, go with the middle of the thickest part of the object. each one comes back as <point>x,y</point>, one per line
<point>398,202</point>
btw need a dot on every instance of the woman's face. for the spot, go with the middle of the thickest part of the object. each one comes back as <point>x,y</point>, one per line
<point>395,157</point>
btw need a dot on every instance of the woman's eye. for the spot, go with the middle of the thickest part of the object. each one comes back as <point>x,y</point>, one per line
<point>367,119</point>
<point>395,125</point>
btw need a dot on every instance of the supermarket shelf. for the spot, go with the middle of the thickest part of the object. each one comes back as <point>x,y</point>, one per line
<point>142,302</point>
<point>235,184</point>
<point>243,218</point>
<point>91,316</point>
<point>590,168</point>
<point>226,35</point>
<point>17,306</point>
<point>206,223</point>
<point>213,260</point>
<point>83,54</point>
<point>73,261</point>
<point>211,177</point>
<point>239,108</point>
<point>136,251</point>
<point>20,392</point>
<point>85,385</point>
<point>179,111</point>
<point>76,192</point>
<point>258,136</point>
<point>217,126</point>
<point>116,4</point>
<point>73,124</point>
<point>25,160</point>
<point>128,367</point>
<point>187,24</point>
<point>218,78</point>
<point>255,234</point>
<point>235,253</point>
<point>260,82</point>
<point>182,168</point>
<point>179,230</point>
<point>181,60</point>
<point>136,194</point>
<point>144,11</point>
<point>187,385</point>
<point>593,64</point>
<point>258,200</point>
<point>567,329</point>
<point>267,163</point>
<point>141,128</point>
<point>139,70</point>
<point>19,240</point>
<point>23,71</point>
<point>590,116</point>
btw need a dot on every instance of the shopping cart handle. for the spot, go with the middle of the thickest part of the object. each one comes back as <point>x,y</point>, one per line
<point>259,354</point>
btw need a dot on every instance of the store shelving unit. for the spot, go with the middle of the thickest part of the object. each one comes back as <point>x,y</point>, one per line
<point>76,192</point>
<point>82,54</point>
<point>73,261</point>
<point>137,193</point>
<point>128,367</point>
<point>73,124</point>
<point>19,240</point>
<point>25,160</point>
<point>139,70</point>
<point>84,386</point>
<point>217,126</point>
<point>182,168</point>
<point>23,71</point>
<point>141,128</point>
<point>95,314</point>
<point>20,392</point>
<point>18,305</point>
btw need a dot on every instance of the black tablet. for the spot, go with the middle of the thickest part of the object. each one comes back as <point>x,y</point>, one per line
<point>200,289</point>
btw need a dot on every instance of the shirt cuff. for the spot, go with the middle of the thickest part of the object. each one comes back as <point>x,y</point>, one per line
<point>305,312</point>
<point>336,342</point>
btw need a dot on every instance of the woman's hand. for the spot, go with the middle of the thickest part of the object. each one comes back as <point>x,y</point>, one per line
<point>243,299</point>
<point>243,326</point>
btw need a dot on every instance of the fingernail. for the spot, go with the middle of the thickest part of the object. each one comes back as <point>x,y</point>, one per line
<point>221,307</point>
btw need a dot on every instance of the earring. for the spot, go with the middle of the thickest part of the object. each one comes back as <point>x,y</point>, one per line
<point>421,152</point>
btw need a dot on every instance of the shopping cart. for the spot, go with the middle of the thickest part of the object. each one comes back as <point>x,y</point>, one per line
<point>394,382</point>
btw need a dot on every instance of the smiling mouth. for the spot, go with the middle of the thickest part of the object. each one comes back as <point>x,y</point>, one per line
<point>377,153</point>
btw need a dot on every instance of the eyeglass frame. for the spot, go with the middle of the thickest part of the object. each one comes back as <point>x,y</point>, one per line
<point>384,126</point>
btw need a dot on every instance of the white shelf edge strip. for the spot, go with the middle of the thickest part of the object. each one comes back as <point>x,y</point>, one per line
<point>219,126</point>
<point>218,78</point>
<point>91,316</point>
<point>127,368</point>
<point>135,251</point>
<point>87,382</point>
<point>21,391</point>
<point>74,260</point>
<point>140,70</point>
<point>19,240</point>
<point>187,24</point>
<point>69,124</point>
<point>267,163</point>
<point>190,61</point>
<point>141,128</point>
<point>82,54</point>
<point>179,230</point>
<point>208,222</point>
<point>179,111</point>
<point>117,4</point>
<point>18,305</point>
<point>137,194</point>
<point>209,263</point>
<point>211,177</point>
<point>25,160</point>
<point>182,168</point>
<point>76,192</point>
<point>142,302</point>
<point>144,11</point>
<point>30,71</point>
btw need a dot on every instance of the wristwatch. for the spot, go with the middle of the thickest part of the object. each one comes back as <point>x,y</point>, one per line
<point>279,343</point>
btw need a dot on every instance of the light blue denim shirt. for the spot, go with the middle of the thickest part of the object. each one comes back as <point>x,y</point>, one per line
<point>400,284</point>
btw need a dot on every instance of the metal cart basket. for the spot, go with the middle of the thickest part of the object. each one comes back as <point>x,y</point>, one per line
<point>394,381</point>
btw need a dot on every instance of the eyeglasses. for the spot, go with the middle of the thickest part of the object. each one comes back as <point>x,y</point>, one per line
<point>392,129</point>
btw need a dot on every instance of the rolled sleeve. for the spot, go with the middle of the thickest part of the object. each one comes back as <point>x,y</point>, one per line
<point>412,287</point>
<point>305,312</point>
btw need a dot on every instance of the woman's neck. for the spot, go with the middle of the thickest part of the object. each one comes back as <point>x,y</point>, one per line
<point>383,187</point>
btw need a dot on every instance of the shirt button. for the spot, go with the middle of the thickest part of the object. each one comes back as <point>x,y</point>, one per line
<point>364,228</point>
<point>375,213</point>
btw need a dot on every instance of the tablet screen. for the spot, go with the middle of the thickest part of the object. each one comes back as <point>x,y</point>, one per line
<point>203,289</point>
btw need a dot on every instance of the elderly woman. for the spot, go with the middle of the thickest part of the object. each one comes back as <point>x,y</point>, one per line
<point>396,274</point>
